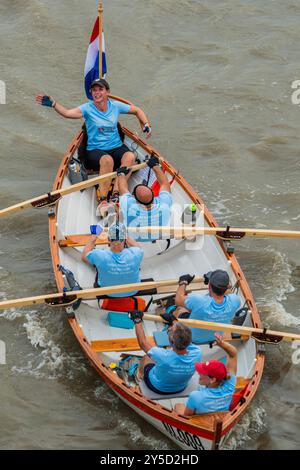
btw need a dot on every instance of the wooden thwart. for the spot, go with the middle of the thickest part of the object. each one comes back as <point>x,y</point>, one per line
<point>118,344</point>
<point>128,344</point>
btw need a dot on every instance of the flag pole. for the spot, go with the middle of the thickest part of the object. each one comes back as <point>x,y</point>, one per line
<point>100,11</point>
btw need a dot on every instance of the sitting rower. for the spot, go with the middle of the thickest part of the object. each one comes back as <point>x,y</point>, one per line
<point>141,208</point>
<point>167,371</point>
<point>216,306</point>
<point>118,265</point>
<point>217,384</point>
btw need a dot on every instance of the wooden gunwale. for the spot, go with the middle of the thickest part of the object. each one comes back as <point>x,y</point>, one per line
<point>136,399</point>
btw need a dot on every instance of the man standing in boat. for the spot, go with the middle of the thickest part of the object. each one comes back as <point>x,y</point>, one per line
<point>217,384</point>
<point>105,150</point>
<point>141,208</point>
<point>166,371</point>
<point>216,306</point>
<point>118,265</point>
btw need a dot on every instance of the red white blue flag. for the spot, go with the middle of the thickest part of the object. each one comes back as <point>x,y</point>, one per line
<point>91,69</point>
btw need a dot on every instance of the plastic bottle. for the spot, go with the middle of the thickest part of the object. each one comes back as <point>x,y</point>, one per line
<point>189,215</point>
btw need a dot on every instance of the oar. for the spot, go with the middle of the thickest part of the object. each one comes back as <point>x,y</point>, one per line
<point>222,232</point>
<point>70,296</point>
<point>78,240</point>
<point>259,334</point>
<point>53,196</point>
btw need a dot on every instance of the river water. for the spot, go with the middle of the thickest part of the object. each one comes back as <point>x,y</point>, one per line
<point>215,80</point>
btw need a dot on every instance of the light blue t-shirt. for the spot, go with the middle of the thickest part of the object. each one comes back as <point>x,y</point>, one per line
<point>101,126</point>
<point>172,371</point>
<point>136,216</point>
<point>209,400</point>
<point>204,307</point>
<point>117,268</point>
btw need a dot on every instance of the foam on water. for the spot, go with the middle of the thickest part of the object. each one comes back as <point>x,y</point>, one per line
<point>137,436</point>
<point>279,287</point>
<point>49,360</point>
<point>252,423</point>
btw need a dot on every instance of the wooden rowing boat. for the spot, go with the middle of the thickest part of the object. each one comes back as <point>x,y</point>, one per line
<point>104,345</point>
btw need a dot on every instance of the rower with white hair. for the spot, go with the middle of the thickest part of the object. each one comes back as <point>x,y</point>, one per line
<point>118,265</point>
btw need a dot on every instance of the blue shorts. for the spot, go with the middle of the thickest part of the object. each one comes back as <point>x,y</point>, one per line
<point>147,370</point>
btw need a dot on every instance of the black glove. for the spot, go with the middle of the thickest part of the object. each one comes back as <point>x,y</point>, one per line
<point>186,279</point>
<point>48,101</point>
<point>153,161</point>
<point>123,171</point>
<point>136,316</point>
<point>168,318</point>
<point>206,277</point>
<point>147,128</point>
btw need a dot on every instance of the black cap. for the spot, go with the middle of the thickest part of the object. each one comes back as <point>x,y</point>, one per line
<point>100,82</point>
<point>218,278</point>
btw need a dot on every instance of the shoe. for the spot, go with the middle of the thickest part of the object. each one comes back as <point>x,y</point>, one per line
<point>102,209</point>
<point>115,197</point>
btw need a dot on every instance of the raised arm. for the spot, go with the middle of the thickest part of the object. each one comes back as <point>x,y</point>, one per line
<point>122,173</point>
<point>181,294</point>
<point>137,317</point>
<point>231,352</point>
<point>88,247</point>
<point>144,123</point>
<point>45,100</point>
<point>162,178</point>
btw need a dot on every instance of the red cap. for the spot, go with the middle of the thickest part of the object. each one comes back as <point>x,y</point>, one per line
<point>214,369</point>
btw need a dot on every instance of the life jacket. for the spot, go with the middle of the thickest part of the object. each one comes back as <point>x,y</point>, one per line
<point>124,304</point>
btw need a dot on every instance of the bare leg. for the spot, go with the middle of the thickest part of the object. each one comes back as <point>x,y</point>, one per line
<point>128,159</point>
<point>146,360</point>
<point>106,166</point>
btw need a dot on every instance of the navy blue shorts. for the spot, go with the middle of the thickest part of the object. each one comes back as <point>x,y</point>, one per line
<point>147,370</point>
<point>93,157</point>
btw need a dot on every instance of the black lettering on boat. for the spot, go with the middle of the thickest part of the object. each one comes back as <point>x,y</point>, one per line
<point>184,437</point>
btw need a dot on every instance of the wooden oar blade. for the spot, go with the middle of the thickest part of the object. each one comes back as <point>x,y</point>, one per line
<point>52,197</point>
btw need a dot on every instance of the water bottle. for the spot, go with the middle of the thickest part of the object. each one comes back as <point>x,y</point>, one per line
<point>189,215</point>
<point>77,172</point>
<point>188,218</point>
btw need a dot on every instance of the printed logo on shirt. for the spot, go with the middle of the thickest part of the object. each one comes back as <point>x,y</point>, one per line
<point>103,130</point>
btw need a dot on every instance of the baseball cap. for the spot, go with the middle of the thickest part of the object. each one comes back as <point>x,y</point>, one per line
<point>100,82</point>
<point>117,232</point>
<point>214,369</point>
<point>218,278</point>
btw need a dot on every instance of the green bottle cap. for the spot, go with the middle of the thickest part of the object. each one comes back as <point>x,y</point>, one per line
<point>193,207</point>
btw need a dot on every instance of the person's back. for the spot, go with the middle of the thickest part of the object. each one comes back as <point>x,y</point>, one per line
<point>117,268</point>
<point>210,400</point>
<point>205,308</point>
<point>141,208</point>
<point>118,265</point>
<point>172,371</point>
<point>135,215</point>
<point>166,371</point>
<point>216,306</point>
<point>216,384</point>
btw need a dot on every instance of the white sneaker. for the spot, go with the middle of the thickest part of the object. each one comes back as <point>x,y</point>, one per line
<point>102,209</point>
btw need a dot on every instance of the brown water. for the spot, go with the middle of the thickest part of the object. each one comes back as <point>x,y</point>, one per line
<point>215,79</point>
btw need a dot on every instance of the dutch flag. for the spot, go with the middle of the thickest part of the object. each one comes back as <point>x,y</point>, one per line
<point>91,69</point>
